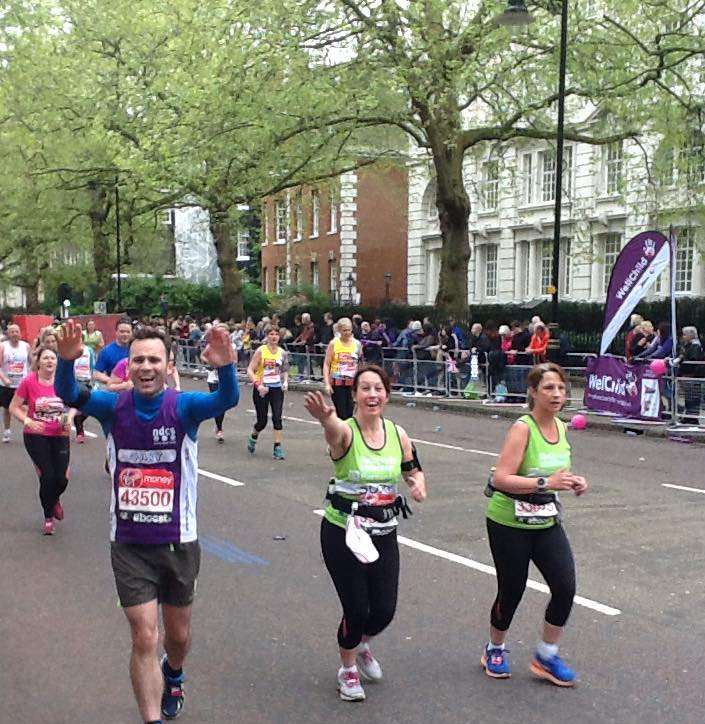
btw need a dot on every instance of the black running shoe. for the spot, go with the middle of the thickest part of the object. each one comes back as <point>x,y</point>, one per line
<point>173,695</point>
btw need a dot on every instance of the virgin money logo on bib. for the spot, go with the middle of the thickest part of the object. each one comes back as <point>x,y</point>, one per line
<point>138,478</point>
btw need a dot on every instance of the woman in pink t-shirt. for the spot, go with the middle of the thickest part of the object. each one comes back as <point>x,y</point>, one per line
<point>120,377</point>
<point>46,433</point>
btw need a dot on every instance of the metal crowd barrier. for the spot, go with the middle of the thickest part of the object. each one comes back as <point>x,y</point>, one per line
<point>453,375</point>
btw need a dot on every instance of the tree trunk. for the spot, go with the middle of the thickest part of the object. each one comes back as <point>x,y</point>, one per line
<point>453,213</point>
<point>231,289</point>
<point>31,295</point>
<point>100,204</point>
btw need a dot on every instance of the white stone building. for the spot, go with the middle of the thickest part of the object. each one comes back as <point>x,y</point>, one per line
<point>607,200</point>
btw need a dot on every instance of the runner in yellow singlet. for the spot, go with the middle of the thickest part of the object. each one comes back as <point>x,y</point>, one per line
<point>343,358</point>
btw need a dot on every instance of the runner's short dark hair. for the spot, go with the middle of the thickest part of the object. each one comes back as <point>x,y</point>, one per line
<point>150,333</point>
<point>123,320</point>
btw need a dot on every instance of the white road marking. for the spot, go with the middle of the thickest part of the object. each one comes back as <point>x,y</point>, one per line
<point>221,478</point>
<point>683,487</point>
<point>445,446</point>
<point>205,473</point>
<point>454,447</point>
<point>484,568</point>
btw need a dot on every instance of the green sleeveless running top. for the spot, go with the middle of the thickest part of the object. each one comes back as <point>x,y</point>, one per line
<point>541,459</point>
<point>368,476</point>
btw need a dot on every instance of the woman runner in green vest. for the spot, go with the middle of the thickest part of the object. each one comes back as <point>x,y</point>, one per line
<point>371,455</point>
<point>524,524</point>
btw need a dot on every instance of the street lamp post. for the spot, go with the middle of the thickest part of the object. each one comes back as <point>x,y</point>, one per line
<point>559,164</point>
<point>515,15</point>
<point>117,241</point>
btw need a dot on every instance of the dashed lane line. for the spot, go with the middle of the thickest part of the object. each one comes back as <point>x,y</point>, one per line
<point>683,487</point>
<point>484,568</point>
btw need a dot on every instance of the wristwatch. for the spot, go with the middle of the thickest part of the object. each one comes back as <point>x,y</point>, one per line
<point>541,484</point>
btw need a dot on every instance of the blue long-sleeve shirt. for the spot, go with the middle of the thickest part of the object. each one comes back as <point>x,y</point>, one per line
<point>192,407</point>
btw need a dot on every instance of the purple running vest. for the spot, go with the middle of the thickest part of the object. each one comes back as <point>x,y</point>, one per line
<point>154,471</point>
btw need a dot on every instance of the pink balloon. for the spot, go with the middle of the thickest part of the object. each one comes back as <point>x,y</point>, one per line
<point>578,422</point>
<point>658,367</point>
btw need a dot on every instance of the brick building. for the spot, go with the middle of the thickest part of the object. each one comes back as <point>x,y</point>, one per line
<point>346,237</point>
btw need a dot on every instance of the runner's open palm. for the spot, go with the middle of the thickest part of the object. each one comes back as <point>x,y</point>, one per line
<point>317,407</point>
<point>69,340</point>
<point>219,351</point>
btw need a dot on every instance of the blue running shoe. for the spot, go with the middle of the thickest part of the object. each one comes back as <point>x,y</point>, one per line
<point>495,663</point>
<point>553,669</point>
<point>173,694</point>
<point>278,453</point>
<point>251,442</point>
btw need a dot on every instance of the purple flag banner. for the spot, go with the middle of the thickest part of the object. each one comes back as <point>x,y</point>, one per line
<point>612,385</point>
<point>635,270</point>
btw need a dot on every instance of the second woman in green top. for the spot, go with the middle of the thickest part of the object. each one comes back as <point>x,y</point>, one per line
<point>524,525</point>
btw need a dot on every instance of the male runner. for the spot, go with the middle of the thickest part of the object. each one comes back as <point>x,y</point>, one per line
<point>14,365</point>
<point>118,349</point>
<point>152,454</point>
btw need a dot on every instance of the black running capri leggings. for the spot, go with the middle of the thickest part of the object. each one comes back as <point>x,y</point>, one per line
<point>367,591</point>
<point>50,455</point>
<point>213,386</point>
<point>343,401</point>
<point>549,549</point>
<point>274,399</point>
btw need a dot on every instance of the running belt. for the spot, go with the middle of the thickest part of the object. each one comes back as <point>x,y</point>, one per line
<point>379,513</point>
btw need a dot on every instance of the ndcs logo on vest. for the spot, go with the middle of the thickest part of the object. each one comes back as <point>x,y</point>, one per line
<point>164,435</point>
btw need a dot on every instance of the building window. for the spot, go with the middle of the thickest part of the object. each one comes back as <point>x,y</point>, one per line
<point>614,168</point>
<point>527,178</point>
<point>491,270</point>
<point>547,166</point>
<point>429,202</point>
<point>567,179</point>
<point>546,265</point>
<point>243,244</point>
<point>280,272</point>
<point>281,219</point>
<point>613,245</point>
<point>315,211</point>
<point>333,279</point>
<point>567,266</point>
<point>685,251</point>
<point>693,160</point>
<point>489,188</point>
<point>298,215</point>
<point>333,224</point>
<point>314,274</point>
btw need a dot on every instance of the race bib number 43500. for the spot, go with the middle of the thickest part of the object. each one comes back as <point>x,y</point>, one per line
<point>145,490</point>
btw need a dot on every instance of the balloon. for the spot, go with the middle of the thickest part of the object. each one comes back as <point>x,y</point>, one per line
<point>578,422</point>
<point>658,367</point>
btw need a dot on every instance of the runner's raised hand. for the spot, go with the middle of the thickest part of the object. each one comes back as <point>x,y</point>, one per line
<point>317,407</point>
<point>219,351</point>
<point>69,340</point>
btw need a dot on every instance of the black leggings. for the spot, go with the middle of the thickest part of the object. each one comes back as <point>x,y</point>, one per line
<point>213,386</point>
<point>274,399</point>
<point>367,591</point>
<point>549,549</point>
<point>50,456</point>
<point>343,401</point>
